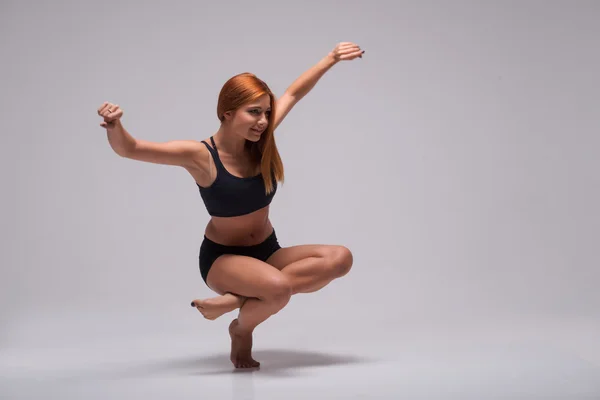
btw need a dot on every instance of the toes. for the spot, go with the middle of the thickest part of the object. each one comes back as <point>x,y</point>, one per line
<point>197,304</point>
<point>246,364</point>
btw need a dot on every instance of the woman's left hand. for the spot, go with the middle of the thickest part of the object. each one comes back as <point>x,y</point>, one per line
<point>345,51</point>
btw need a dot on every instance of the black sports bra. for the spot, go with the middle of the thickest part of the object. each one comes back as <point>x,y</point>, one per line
<point>230,195</point>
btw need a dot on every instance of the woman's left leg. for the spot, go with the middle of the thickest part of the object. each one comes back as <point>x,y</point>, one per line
<point>310,267</point>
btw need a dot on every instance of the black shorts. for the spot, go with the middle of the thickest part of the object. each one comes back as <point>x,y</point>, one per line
<point>210,251</point>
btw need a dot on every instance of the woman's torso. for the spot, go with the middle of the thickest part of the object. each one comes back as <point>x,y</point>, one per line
<point>243,230</point>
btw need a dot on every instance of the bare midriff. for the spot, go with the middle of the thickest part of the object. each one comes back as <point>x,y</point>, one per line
<point>244,230</point>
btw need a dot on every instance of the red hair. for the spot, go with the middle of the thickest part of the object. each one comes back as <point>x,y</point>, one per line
<point>239,91</point>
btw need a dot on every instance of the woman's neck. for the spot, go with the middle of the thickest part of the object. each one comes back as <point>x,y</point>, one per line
<point>231,142</point>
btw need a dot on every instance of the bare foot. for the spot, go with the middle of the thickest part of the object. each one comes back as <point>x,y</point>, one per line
<point>241,347</point>
<point>214,307</point>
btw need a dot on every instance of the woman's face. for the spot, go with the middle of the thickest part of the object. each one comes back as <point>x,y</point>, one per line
<point>251,120</point>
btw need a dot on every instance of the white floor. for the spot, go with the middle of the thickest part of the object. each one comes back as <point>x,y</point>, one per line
<point>527,360</point>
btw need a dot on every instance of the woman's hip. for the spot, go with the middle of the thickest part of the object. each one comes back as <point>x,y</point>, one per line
<point>211,250</point>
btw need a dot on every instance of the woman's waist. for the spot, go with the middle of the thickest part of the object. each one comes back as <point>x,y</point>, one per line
<point>242,232</point>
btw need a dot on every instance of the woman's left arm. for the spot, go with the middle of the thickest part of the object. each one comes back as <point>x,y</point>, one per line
<point>301,86</point>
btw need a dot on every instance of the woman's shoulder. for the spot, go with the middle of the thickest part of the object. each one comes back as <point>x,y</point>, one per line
<point>203,164</point>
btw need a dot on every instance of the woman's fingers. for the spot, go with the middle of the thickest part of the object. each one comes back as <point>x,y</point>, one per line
<point>102,107</point>
<point>347,51</point>
<point>352,55</point>
<point>110,112</point>
<point>348,48</point>
<point>103,111</point>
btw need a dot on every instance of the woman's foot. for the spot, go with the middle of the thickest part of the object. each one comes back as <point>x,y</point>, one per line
<point>214,307</point>
<point>241,347</point>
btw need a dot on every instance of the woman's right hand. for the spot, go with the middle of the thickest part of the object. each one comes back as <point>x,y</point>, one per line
<point>111,114</point>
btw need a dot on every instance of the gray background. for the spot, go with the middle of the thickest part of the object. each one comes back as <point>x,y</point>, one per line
<point>457,160</point>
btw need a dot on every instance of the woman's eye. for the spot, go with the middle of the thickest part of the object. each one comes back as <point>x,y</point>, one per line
<point>258,112</point>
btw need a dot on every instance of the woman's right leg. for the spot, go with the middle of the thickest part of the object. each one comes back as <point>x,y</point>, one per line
<point>266,289</point>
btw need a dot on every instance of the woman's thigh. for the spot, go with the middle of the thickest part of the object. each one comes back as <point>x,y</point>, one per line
<point>246,276</point>
<point>288,255</point>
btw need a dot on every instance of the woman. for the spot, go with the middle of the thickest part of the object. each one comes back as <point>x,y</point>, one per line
<point>237,175</point>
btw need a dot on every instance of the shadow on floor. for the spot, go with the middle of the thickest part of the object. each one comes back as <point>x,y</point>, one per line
<point>273,362</point>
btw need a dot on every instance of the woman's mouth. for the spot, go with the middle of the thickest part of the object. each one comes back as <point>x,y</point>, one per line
<point>256,130</point>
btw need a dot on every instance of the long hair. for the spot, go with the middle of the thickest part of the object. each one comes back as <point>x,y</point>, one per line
<point>238,91</point>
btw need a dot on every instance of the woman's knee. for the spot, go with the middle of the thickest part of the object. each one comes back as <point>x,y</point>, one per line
<point>278,290</point>
<point>340,261</point>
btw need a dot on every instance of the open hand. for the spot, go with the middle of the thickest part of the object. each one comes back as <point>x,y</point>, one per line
<point>346,51</point>
<point>111,113</point>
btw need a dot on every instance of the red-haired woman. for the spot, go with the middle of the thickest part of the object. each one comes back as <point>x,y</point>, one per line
<point>237,171</point>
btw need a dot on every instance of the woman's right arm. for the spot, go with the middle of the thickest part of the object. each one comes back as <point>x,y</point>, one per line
<point>184,153</point>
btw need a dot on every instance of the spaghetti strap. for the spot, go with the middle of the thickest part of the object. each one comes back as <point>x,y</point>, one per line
<point>214,153</point>
<point>210,149</point>
<point>207,146</point>
<point>212,141</point>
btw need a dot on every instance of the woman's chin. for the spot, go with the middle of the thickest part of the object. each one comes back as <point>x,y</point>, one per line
<point>254,136</point>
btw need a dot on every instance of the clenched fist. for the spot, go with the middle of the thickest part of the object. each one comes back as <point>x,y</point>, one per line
<point>111,113</point>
